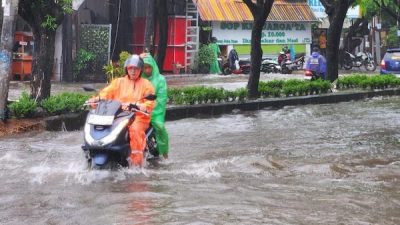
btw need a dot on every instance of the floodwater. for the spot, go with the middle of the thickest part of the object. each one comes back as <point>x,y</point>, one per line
<point>313,164</point>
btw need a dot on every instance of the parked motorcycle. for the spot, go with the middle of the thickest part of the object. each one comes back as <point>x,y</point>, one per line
<point>269,65</point>
<point>244,68</point>
<point>287,65</point>
<point>106,144</point>
<point>299,63</point>
<point>359,60</point>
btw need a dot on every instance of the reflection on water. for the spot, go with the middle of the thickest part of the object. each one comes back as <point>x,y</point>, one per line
<point>314,164</point>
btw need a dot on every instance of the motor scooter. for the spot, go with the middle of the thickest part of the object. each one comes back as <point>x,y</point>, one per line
<point>243,67</point>
<point>312,75</point>
<point>106,138</point>
<point>269,65</point>
<point>358,60</point>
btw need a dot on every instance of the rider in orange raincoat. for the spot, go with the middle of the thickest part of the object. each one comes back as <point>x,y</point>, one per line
<point>132,89</point>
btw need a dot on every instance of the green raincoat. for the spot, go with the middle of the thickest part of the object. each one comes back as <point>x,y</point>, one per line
<point>158,114</point>
<point>214,66</point>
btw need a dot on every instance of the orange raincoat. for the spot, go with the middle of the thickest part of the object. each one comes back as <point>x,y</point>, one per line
<point>126,90</point>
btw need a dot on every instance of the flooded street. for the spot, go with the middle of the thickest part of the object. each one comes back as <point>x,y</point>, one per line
<point>313,164</point>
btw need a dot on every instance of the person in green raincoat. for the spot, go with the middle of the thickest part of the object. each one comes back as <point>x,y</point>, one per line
<point>214,66</point>
<point>152,73</point>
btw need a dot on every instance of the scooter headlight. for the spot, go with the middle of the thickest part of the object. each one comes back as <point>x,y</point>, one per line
<point>107,139</point>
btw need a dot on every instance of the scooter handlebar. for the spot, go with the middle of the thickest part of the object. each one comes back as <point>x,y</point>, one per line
<point>135,108</point>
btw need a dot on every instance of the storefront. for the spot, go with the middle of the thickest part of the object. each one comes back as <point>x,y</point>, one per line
<point>274,36</point>
<point>323,22</point>
<point>287,24</point>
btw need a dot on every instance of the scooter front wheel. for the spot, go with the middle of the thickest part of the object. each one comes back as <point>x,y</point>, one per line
<point>370,66</point>
<point>226,71</point>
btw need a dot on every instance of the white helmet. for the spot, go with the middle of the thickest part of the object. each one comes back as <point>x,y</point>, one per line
<point>134,60</point>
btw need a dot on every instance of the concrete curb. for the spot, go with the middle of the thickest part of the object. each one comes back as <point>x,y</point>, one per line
<point>75,121</point>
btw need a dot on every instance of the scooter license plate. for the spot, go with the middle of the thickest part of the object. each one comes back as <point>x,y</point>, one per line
<point>100,120</point>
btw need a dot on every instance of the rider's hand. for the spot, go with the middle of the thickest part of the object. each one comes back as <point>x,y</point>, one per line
<point>92,100</point>
<point>142,107</point>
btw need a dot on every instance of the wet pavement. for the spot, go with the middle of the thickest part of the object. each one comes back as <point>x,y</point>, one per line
<point>314,164</point>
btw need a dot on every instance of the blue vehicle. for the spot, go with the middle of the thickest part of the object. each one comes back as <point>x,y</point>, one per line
<point>390,63</point>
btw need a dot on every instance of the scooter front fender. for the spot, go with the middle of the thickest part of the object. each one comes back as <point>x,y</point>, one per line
<point>100,159</point>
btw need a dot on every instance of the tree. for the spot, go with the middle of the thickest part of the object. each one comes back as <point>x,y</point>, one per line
<point>336,11</point>
<point>390,7</point>
<point>43,17</point>
<point>162,15</point>
<point>120,11</point>
<point>7,42</point>
<point>149,29</point>
<point>260,11</point>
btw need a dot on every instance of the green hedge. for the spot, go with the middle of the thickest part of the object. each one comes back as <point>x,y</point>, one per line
<point>275,88</point>
<point>24,107</point>
<point>64,103</point>
<point>364,81</point>
<point>73,102</point>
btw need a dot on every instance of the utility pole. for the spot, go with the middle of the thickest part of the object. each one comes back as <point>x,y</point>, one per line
<point>377,29</point>
<point>10,8</point>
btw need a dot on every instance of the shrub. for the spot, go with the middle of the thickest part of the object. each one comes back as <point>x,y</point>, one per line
<point>204,59</point>
<point>364,81</point>
<point>289,90</point>
<point>229,96</point>
<point>241,94</point>
<point>84,61</point>
<point>295,87</point>
<point>24,107</point>
<point>113,70</point>
<point>275,84</point>
<point>65,102</point>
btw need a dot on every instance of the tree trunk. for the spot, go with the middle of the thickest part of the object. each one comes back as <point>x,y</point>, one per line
<point>256,56</point>
<point>336,20</point>
<point>67,49</point>
<point>121,34</point>
<point>149,29</point>
<point>7,42</point>
<point>1,18</point>
<point>163,32</point>
<point>42,68</point>
<point>260,11</point>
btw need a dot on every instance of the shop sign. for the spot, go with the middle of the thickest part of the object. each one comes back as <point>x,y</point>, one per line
<point>319,10</point>
<point>273,33</point>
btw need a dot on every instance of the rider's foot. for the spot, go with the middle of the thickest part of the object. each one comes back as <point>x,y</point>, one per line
<point>137,159</point>
<point>165,156</point>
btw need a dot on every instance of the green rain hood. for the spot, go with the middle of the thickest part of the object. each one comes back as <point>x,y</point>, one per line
<point>160,86</point>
